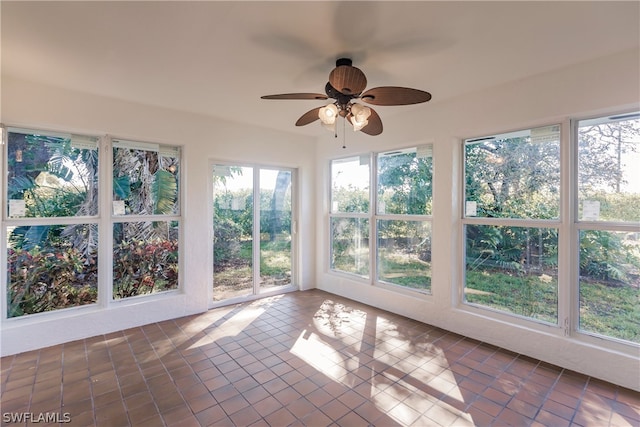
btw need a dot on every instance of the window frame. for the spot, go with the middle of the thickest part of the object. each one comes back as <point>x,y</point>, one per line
<point>577,225</point>
<point>350,215</point>
<point>568,226</point>
<point>8,221</point>
<point>108,210</point>
<point>257,290</point>
<point>551,223</point>
<point>377,216</point>
<point>373,216</point>
<point>103,219</point>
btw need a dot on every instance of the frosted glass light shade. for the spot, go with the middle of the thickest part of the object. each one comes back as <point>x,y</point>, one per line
<point>328,114</point>
<point>359,116</point>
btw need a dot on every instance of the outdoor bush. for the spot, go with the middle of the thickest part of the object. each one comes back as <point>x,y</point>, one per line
<point>604,256</point>
<point>226,238</point>
<point>47,279</point>
<point>144,267</point>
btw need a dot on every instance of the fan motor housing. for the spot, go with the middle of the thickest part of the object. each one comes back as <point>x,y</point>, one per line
<point>346,78</point>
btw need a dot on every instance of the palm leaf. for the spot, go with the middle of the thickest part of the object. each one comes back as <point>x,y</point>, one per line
<point>34,236</point>
<point>122,187</point>
<point>165,190</point>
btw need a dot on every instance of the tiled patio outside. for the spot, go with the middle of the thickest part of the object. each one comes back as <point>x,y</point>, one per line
<point>303,358</point>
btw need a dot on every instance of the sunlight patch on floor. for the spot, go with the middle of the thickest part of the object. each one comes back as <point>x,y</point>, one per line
<point>400,382</point>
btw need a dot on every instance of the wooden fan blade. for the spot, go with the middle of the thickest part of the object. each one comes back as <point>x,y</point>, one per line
<point>374,127</point>
<point>308,117</point>
<point>394,95</point>
<point>296,96</point>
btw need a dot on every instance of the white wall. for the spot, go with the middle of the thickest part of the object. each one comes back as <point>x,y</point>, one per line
<point>606,85</point>
<point>203,138</point>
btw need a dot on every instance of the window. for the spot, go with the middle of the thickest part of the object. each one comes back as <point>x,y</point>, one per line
<point>350,215</point>
<point>401,220</point>
<point>253,229</point>
<point>608,226</point>
<point>53,216</point>
<point>51,224</point>
<point>146,218</point>
<point>511,222</point>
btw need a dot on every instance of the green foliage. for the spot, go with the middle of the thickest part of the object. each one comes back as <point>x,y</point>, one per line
<point>165,190</point>
<point>606,256</point>
<point>514,178</point>
<point>350,199</point>
<point>517,249</point>
<point>144,267</point>
<point>51,176</point>
<point>275,262</point>
<point>405,184</point>
<point>231,226</point>
<point>350,245</point>
<point>610,310</point>
<point>404,269</point>
<point>146,180</point>
<point>48,279</point>
<point>226,238</point>
<point>121,187</point>
<point>616,206</point>
<point>533,296</point>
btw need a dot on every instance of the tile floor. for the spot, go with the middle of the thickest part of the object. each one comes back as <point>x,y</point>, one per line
<point>304,358</point>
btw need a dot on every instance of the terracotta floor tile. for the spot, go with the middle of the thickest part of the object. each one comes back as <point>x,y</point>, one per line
<point>444,416</point>
<point>287,395</point>
<point>523,408</point>
<point>255,394</point>
<point>176,415</point>
<point>142,412</point>
<point>558,409</point>
<point>267,405</point>
<point>316,418</point>
<point>496,396</point>
<point>281,417</point>
<point>549,419</point>
<point>487,406</point>
<point>178,373</point>
<point>335,409</point>
<point>211,415</point>
<point>234,404</point>
<point>245,417</point>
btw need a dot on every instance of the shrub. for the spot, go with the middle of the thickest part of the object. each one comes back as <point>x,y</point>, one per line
<point>144,267</point>
<point>48,279</point>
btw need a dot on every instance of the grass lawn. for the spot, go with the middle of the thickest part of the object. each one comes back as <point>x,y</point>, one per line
<point>234,276</point>
<point>610,310</point>
<point>405,270</point>
<point>604,309</point>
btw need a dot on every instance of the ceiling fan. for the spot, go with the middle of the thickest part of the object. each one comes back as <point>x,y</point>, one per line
<point>346,85</point>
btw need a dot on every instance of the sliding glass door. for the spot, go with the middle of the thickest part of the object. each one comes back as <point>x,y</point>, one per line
<point>252,230</point>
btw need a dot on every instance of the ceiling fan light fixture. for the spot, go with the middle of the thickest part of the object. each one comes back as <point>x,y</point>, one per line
<point>359,116</point>
<point>331,127</point>
<point>346,85</point>
<point>328,114</point>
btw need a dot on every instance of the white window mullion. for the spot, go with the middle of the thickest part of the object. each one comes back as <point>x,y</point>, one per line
<point>373,219</point>
<point>105,227</point>
<point>567,238</point>
<point>3,244</point>
<point>256,231</point>
<point>295,235</point>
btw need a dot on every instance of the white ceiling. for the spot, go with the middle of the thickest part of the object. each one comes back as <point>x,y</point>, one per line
<point>217,58</point>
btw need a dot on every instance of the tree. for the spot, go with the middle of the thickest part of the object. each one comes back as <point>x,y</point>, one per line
<point>514,178</point>
<point>405,183</point>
